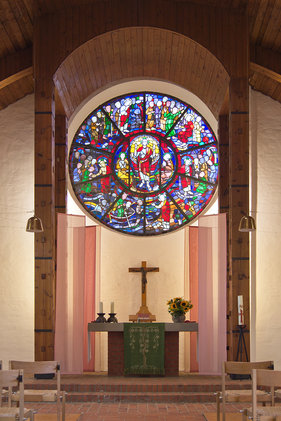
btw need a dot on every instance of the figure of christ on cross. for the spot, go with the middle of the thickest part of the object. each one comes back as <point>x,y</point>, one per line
<point>143,315</point>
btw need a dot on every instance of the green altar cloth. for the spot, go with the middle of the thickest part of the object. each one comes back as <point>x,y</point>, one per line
<point>144,345</point>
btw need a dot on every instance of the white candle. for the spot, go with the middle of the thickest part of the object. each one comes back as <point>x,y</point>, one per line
<point>112,307</point>
<point>240,310</point>
<point>101,307</point>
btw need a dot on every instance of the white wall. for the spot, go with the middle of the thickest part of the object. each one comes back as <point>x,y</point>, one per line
<point>16,245</point>
<point>266,197</point>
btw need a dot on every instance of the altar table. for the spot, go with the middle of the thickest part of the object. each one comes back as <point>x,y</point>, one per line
<point>116,345</point>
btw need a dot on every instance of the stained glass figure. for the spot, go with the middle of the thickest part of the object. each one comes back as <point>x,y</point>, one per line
<point>144,163</point>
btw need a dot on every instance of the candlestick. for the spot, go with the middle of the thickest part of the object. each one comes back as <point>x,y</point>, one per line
<point>101,307</point>
<point>112,307</point>
<point>241,320</point>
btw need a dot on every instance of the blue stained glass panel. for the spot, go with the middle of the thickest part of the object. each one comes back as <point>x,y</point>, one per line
<point>191,196</point>
<point>191,130</point>
<point>101,194</point>
<point>161,113</point>
<point>88,164</point>
<point>127,113</point>
<point>162,214</point>
<point>127,214</point>
<point>98,131</point>
<point>201,163</point>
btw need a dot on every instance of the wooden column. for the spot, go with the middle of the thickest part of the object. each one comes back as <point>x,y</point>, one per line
<point>238,246</point>
<point>223,132</point>
<point>61,127</point>
<point>45,209</point>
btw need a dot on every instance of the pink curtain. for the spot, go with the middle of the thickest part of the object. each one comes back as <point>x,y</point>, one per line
<point>89,296</point>
<point>74,292</point>
<point>211,293</point>
<point>193,293</point>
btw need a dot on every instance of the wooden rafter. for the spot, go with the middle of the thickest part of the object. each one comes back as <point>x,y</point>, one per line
<point>13,78</point>
<point>265,72</point>
<point>267,59</point>
<point>15,67</point>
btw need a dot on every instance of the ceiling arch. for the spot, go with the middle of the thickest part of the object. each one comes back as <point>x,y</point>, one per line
<point>137,53</point>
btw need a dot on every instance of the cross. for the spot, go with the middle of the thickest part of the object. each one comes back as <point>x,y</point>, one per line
<point>143,270</point>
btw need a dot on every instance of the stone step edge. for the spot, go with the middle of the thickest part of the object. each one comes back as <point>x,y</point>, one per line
<point>138,393</point>
<point>141,397</point>
<point>135,388</point>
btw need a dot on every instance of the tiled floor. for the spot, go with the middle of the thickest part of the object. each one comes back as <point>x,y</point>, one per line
<point>137,411</point>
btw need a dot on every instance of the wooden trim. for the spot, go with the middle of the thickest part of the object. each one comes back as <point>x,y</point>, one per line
<point>19,64</point>
<point>265,72</point>
<point>16,76</point>
<point>266,58</point>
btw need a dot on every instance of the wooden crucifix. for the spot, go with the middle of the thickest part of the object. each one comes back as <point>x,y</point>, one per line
<point>143,315</point>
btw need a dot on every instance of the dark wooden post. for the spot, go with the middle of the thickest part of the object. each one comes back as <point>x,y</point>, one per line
<point>239,268</point>
<point>45,209</point>
<point>61,127</point>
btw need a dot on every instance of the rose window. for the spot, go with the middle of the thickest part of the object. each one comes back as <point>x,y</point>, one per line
<point>144,163</point>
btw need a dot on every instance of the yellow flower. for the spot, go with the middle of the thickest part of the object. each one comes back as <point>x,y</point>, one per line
<point>184,303</point>
<point>169,301</point>
<point>173,306</point>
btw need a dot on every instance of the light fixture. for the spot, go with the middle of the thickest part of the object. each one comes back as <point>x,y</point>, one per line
<point>247,224</point>
<point>34,224</point>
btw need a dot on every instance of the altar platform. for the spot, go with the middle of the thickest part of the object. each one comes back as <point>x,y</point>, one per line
<point>99,387</point>
<point>115,332</point>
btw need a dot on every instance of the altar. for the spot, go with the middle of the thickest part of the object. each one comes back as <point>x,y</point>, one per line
<point>116,345</point>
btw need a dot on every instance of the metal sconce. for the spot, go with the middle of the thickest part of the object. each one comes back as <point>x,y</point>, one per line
<point>34,224</point>
<point>247,224</point>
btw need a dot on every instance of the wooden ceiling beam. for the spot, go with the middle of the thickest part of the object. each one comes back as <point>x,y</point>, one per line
<point>15,67</point>
<point>265,72</point>
<point>266,61</point>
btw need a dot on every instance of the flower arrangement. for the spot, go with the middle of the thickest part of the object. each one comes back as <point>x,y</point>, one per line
<point>178,306</point>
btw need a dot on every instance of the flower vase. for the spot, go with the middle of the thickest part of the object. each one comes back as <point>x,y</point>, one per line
<point>178,318</point>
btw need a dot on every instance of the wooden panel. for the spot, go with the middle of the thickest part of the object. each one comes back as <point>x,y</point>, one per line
<point>151,53</point>
<point>44,294</point>
<point>15,27</point>
<point>45,209</point>
<point>15,63</point>
<point>15,77</point>
<point>44,350</point>
<point>61,168</point>
<point>238,243</point>
<point>16,91</point>
<point>220,23</point>
<point>222,27</point>
<point>224,160</point>
<point>265,57</point>
<point>266,72</point>
<point>223,188</point>
<point>35,367</point>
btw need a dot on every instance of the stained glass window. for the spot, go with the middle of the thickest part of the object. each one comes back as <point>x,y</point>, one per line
<point>144,163</point>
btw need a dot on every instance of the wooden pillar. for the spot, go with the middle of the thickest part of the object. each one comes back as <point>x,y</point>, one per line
<point>61,127</point>
<point>223,132</point>
<point>45,209</point>
<point>238,246</point>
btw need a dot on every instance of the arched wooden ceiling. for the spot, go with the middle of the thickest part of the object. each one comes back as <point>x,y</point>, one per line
<point>137,53</point>
<point>17,21</point>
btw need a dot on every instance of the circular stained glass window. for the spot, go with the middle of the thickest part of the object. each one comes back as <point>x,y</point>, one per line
<point>144,163</point>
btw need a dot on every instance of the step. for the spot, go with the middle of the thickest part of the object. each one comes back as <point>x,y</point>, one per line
<point>132,388</point>
<point>140,397</point>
